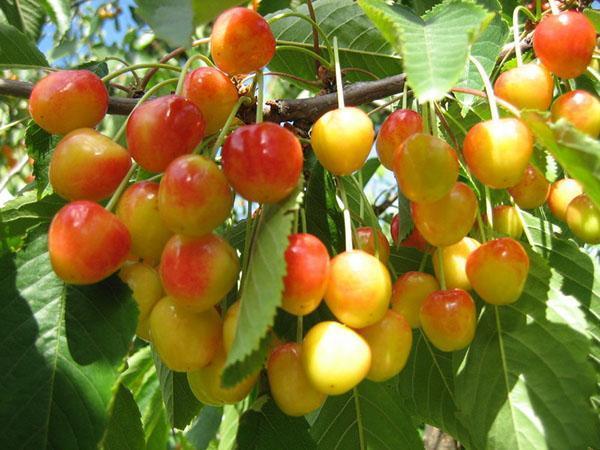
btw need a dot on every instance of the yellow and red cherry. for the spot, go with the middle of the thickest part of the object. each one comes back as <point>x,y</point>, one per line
<point>448,220</point>
<point>213,93</point>
<point>162,129</point>
<point>138,209</point>
<point>184,340</point>
<point>409,292</point>
<point>87,243</point>
<point>414,238</point>
<point>498,151</point>
<point>230,322</point>
<point>562,192</point>
<point>448,319</point>
<point>241,41</point>
<point>390,341</point>
<point>533,189</point>
<point>307,263</point>
<point>583,219</point>
<point>507,221</point>
<point>366,243</point>
<point>359,289</point>
<point>342,140</point>
<point>194,196</point>
<point>67,100</point>
<point>396,128</point>
<point>422,151</point>
<point>147,290</point>
<point>290,387</point>
<point>262,162</point>
<point>529,86</point>
<point>498,270</point>
<point>565,43</point>
<point>335,358</point>
<point>197,272</point>
<point>87,165</point>
<point>581,109</point>
<point>455,262</point>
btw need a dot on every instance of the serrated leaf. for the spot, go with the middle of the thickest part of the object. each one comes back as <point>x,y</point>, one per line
<point>17,49</point>
<point>39,145</point>
<point>25,212</point>
<point>228,429</point>
<point>124,430</point>
<point>204,427</point>
<point>59,12</point>
<point>24,15</point>
<point>434,48</point>
<point>100,68</point>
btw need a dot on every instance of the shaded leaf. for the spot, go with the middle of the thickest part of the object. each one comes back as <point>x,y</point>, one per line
<point>204,427</point>
<point>124,430</point>
<point>25,212</point>
<point>25,15</point>
<point>17,49</point>
<point>39,147</point>
<point>171,20</point>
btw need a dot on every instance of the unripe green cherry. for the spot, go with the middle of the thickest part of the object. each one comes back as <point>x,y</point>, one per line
<point>409,292</point>
<point>455,263</point>
<point>583,218</point>
<point>533,189</point>
<point>562,192</point>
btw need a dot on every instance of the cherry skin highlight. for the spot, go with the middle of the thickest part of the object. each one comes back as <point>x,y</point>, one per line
<point>262,162</point>
<point>507,221</point>
<point>194,196</point>
<point>307,262</point>
<point>67,100</point>
<point>533,189</point>
<point>162,129</point>
<point>409,292</point>
<point>396,128</point>
<point>87,165</point>
<point>529,86</point>
<point>414,238</point>
<point>86,243</point>
<point>561,193</point>
<point>581,109</point>
<point>455,262</point>
<point>241,41</point>
<point>366,243</point>
<point>583,218</point>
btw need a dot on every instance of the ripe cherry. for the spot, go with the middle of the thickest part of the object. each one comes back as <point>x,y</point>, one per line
<point>194,196</point>
<point>366,243</point>
<point>290,386</point>
<point>307,262</point>
<point>138,209</point>
<point>87,165</point>
<point>67,100</point>
<point>565,43</point>
<point>162,129</point>
<point>350,126</point>
<point>533,189</point>
<point>581,109</point>
<point>414,238</point>
<point>498,151</point>
<point>396,128</point>
<point>198,272</point>
<point>529,86</point>
<point>498,270</point>
<point>455,262</point>
<point>426,168</point>
<point>335,358</point>
<point>561,193</point>
<point>213,93</point>
<point>262,162</point>
<point>448,319</point>
<point>507,221</point>
<point>86,243</point>
<point>241,41</point>
<point>390,341</point>
<point>230,322</point>
<point>409,292</point>
<point>359,288</point>
<point>583,218</point>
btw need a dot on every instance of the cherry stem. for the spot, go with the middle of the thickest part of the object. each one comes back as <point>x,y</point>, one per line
<point>126,64</point>
<point>306,51</point>
<point>440,252</point>
<point>423,262</point>
<point>405,95</point>
<point>593,72</point>
<point>385,105</point>
<point>554,7</point>
<point>346,212</point>
<point>516,33</point>
<point>299,330</point>
<point>227,125</point>
<point>488,88</point>
<point>12,124</point>
<point>186,68</point>
<point>488,207</point>
<point>433,119</point>
<point>526,229</point>
<point>481,226</point>
<point>133,67</point>
<point>260,95</point>
<point>303,219</point>
<point>117,194</point>
<point>338,74</point>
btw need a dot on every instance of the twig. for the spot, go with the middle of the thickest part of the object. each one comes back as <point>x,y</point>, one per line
<point>14,171</point>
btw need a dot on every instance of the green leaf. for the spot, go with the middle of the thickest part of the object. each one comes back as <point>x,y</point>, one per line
<point>39,147</point>
<point>205,11</point>
<point>59,12</point>
<point>25,15</point>
<point>17,49</point>
<point>205,427</point>
<point>371,416</point>
<point>171,20</point>
<point>124,430</point>
<point>434,48</point>
<point>263,286</point>
<point>25,212</point>
<point>228,429</point>
<point>594,16</point>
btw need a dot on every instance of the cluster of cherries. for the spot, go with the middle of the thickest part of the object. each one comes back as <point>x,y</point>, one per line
<point>162,238</point>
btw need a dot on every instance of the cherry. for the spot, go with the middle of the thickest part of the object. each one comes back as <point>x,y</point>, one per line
<point>307,262</point>
<point>498,151</point>
<point>581,109</point>
<point>409,292</point>
<point>414,238</point>
<point>448,319</point>
<point>162,129</point>
<point>86,243</point>
<point>561,193</point>
<point>147,290</point>
<point>448,220</point>
<point>262,161</point>
<point>67,100</point>
<point>396,128</point>
<point>241,41</point>
<point>507,221</point>
<point>213,93</point>
<point>342,140</point>
<point>498,270</point>
<point>390,341</point>
<point>583,218</point>
<point>529,86</point>
<point>138,209</point>
<point>565,43</point>
<point>230,322</point>
<point>198,272</point>
<point>455,262</point>
<point>184,340</point>
<point>441,168</point>
<point>359,288</point>
<point>290,386</point>
<point>366,243</point>
<point>335,358</point>
<point>87,165</point>
<point>533,189</point>
<point>194,196</point>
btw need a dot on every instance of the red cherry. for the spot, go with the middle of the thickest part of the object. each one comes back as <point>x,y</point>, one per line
<point>396,128</point>
<point>366,243</point>
<point>581,109</point>
<point>414,239</point>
